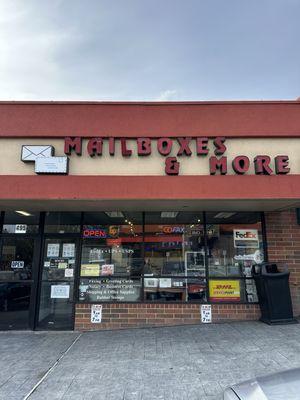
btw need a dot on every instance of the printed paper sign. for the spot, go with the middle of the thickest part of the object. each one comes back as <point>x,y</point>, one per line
<point>245,238</point>
<point>90,270</point>
<point>62,265</point>
<point>53,250</point>
<point>69,273</point>
<point>60,291</point>
<point>107,269</point>
<point>96,313</point>
<point>151,282</point>
<point>17,264</point>
<point>68,250</point>
<point>20,228</point>
<point>206,313</point>
<point>224,290</point>
<point>165,282</point>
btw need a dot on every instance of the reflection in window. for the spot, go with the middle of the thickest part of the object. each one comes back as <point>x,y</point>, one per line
<point>62,222</point>
<point>16,260</point>
<point>174,289</point>
<point>112,246</point>
<point>234,245</point>
<point>21,222</point>
<point>167,258</point>
<point>174,247</point>
<point>174,244</point>
<point>233,249</point>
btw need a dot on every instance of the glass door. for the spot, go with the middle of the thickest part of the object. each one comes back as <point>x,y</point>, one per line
<point>16,282</point>
<point>56,306</point>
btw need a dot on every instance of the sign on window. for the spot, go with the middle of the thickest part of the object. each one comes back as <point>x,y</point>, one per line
<point>20,228</point>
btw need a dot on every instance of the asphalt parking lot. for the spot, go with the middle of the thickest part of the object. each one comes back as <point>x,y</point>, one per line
<point>176,363</point>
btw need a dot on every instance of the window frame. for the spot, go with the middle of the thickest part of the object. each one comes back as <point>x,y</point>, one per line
<point>207,278</point>
<point>41,236</point>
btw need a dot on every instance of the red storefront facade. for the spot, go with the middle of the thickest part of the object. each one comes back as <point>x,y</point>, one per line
<point>177,211</point>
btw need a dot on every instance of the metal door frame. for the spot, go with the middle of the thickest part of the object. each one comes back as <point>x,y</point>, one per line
<point>34,272</point>
<point>57,236</point>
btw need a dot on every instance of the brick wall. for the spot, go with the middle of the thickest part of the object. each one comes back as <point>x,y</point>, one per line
<point>118,316</point>
<point>283,237</point>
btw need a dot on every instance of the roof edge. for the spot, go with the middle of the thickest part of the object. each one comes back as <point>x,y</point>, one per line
<point>147,103</point>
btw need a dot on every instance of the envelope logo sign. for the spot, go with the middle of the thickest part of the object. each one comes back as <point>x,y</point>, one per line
<point>44,160</point>
<point>31,153</point>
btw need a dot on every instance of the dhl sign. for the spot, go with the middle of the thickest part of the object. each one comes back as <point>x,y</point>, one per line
<point>224,290</point>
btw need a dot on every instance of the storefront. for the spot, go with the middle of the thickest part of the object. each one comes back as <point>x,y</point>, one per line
<point>135,214</point>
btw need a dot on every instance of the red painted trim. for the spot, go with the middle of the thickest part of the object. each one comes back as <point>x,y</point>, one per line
<point>149,187</point>
<point>157,103</point>
<point>230,119</point>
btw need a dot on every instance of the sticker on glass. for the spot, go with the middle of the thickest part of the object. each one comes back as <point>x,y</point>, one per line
<point>60,291</point>
<point>17,264</point>
<point>68,250</point>
<point>53,250</point>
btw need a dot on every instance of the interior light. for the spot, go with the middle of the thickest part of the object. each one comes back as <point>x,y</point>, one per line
<point>114,214</point>
<point>169,214</point>
<point>224,214</point>
<point>199,220</point>
<point>25,213</point>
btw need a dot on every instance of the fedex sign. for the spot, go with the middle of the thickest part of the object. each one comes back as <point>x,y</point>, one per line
<point>246,234</point>
<point>246,238</point>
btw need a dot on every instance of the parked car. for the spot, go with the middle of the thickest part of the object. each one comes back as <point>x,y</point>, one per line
<point>283,385</point>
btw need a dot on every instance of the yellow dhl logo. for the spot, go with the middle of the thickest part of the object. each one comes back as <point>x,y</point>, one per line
<point>223,287</point>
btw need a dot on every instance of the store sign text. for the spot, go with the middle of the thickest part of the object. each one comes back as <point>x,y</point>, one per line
<point>218,163</point>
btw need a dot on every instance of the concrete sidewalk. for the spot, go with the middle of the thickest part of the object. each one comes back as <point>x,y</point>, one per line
<point>178,363</point>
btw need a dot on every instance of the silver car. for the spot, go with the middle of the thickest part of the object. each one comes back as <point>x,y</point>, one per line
<point>282,385</point>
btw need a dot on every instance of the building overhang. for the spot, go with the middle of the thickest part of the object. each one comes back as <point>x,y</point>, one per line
<point>83,193</point>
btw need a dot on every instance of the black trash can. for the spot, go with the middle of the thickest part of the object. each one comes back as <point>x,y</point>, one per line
<point>273,293</point>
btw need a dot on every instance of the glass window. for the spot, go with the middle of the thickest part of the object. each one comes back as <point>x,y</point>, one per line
<point>174,247</point>
<point>170,258</point>
<point>16,264</point>
<point>62,222</point>
<point>112,245</point>
<point>174,289</point>
<point>111,257</point>
<point>16,259</point>
<point>21,222</point>
<point>174,244</point>
<point>234,245</point>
